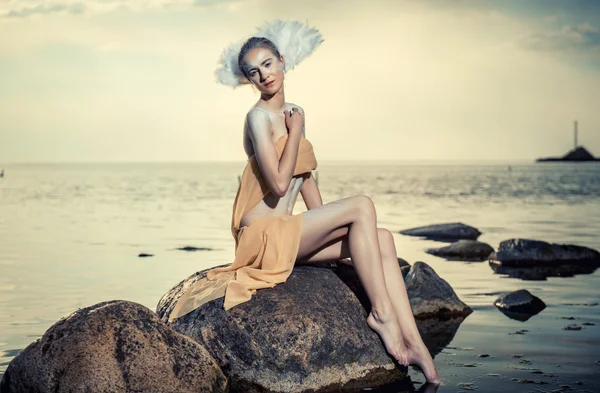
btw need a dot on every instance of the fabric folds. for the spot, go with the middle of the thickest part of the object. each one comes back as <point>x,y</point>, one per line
<point>265,250</point>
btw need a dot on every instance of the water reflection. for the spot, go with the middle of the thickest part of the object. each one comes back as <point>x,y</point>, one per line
<point>541,273</point>
<point>404,386</point>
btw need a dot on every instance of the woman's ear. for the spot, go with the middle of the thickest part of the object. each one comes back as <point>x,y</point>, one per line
<point>282,60</point>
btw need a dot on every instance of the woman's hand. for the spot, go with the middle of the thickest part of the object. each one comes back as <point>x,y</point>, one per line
<point>294,121</point>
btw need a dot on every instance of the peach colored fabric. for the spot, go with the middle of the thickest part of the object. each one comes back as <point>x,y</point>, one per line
<point>265,250</point>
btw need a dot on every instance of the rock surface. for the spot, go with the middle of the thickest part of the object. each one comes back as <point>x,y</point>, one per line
<point>444,232</point>
<point>527,252</point>
<point>430,296</point>
<point>113,346</point>
<point>463,250</point>
<point>307,334</point>
<point>520,305</point>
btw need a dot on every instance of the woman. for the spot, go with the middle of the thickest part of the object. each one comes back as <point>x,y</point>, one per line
<point>332,231</point>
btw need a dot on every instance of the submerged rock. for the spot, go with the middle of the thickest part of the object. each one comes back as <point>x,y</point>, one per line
<point>463,250</point>
<point>113,346</point>
<point>520,305</point>
<point>444,232</point>
<point>527,252</point>
<point>430,296</point>
<point>307,334</point>
<point>192,248</point>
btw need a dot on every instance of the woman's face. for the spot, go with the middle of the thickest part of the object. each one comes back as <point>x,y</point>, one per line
<point>264,70</point>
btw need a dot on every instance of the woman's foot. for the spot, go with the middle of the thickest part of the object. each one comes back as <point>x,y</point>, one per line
<point>418,354</point>
<point>388,329</point>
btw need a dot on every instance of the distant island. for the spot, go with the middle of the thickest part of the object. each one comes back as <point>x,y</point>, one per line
<point>579,153</point>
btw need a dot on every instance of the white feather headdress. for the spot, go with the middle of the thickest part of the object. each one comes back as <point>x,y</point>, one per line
<point>295,41</point>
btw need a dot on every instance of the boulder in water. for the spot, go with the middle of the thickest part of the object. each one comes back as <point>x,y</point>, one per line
<point>307,334</point>
<point>527,252</point>
<point>113,346</point>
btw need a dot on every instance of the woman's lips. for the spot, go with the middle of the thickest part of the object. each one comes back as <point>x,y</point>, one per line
<point>269,84</point>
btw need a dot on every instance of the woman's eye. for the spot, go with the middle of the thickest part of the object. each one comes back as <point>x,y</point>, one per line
<point>268,64</point>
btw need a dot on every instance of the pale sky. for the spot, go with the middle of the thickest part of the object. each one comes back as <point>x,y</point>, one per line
<point>133,80</point>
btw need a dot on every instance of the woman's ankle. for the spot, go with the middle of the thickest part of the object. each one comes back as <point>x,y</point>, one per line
<point>383,314</point>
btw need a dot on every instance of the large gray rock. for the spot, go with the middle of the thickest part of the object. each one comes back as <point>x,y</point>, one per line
<point>113,346</point>
<point>430,296</point>
<point>463,250</point>
<point>520,305</point>
<point>527,252</point>
<point>444,232</point>
<point>307,334</point>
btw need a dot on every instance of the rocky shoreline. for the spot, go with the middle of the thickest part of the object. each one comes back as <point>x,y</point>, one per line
<point>308,334</point>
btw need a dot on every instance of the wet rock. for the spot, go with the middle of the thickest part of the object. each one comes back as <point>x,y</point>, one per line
<point>463,250</point>
<point>572,326</point>
<point>430,296</point>
<point>444,232</point>
<point>309,333</point>
<point>113,346</point>
<point>144,255</point>
<point>520,305</point>
<point>527,252</point>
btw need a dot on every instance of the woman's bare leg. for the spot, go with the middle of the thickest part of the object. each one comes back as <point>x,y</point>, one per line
<point>417,351</point>
<point>322,225</point>
<point>335,250</point>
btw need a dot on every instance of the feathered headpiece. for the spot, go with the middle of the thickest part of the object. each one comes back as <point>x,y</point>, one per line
<point>295,41</point>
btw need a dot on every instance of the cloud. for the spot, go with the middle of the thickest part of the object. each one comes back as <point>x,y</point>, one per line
<point>45,8</point>
<point>582,37</point>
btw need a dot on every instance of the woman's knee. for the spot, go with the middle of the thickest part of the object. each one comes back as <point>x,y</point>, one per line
<point>363,206</point>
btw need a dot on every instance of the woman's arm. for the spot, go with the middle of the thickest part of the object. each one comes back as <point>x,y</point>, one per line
<point>309,190</point>
<point>276,172</point>
<point>310,193</point>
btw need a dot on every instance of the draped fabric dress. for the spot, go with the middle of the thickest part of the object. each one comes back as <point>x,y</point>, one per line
<point>265,250</point>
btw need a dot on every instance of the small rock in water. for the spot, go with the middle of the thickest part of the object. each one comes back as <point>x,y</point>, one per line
<point>520,305</point>
<point>467,386</point>
<point>143,255</point>
<point>569,318</point>
<point>517,356</point>
<point>191,248</point>
<point>522,331</point>
<point>484,355</point>
<point>538,382</point>
<point>493,375</point>
<point>588,324</point>
<point>463,250</point>
<point>572,326</point>
<point>525,361</point>
<point>537,372</point>
<point>451,231</point>
<point>470,365</point>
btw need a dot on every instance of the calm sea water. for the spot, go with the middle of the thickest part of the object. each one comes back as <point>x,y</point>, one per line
<point>70,235</point>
